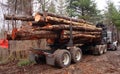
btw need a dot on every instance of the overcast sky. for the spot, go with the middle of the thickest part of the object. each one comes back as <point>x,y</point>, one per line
<point>101,4</point>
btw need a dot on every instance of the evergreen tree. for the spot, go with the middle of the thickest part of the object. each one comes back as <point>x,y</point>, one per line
<point>62,7</point>
<point>52,7</point>
<point>112,14</point>
<point>84,9</point>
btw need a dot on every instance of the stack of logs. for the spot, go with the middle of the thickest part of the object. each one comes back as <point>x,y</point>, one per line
<point>53,28</point>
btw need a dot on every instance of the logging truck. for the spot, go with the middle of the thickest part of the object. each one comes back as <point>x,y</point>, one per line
<point>62,55</point>
<point>66,37</point>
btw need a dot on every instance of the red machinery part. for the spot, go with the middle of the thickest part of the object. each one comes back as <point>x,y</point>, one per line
<point>14,33</point>
<point>4,43</point>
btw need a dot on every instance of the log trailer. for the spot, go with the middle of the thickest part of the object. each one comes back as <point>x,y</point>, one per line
<point>66,37</point>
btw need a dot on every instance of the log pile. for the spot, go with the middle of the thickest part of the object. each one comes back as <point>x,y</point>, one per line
<point>54,27</point>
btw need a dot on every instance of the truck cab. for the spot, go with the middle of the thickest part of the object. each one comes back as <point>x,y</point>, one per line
<point>111,44</point>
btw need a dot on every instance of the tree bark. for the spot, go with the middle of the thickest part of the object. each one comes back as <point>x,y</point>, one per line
<point>31,35</point>
<point>18,17</point>
<point>59,20</point>
<point>67,27</point>
<point>66,18</point>
<point>37,24</point>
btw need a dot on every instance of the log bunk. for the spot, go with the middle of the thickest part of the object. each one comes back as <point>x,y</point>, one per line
<point>54,28</point>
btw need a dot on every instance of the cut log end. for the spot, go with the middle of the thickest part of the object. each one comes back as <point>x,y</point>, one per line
<point>37,18</point>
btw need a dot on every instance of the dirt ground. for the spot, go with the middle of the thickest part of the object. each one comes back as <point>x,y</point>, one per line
<point>108,63</point>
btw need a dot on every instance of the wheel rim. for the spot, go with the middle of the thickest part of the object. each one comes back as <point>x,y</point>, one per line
<point>101,51</point>
<point>66,59</point>
<point>105,50</point>
<point>78,56</point>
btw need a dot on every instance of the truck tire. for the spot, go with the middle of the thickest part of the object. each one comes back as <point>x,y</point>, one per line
<point>105,48</point>
<point>114,48</point>
<point>76,55</point>
<point>99,50</point>
<point>62,58</point>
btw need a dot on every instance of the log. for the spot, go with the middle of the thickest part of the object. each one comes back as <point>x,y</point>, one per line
<point>67,27</point>
<point>79,36</point>
<point>80,32</point>
<point>80,40</point>
<point>64,28</point>
<point>25,28</point>
<point>42,23</point>
<point>55,20</point>
<point>25,35</point>
<point>66,18</point>
<point>30,35</point>
<point>19,17</point>
<point>34,23</point>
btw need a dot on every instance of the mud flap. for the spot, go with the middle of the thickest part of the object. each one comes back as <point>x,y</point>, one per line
<point>50,59</point>
<point>4,44</point>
